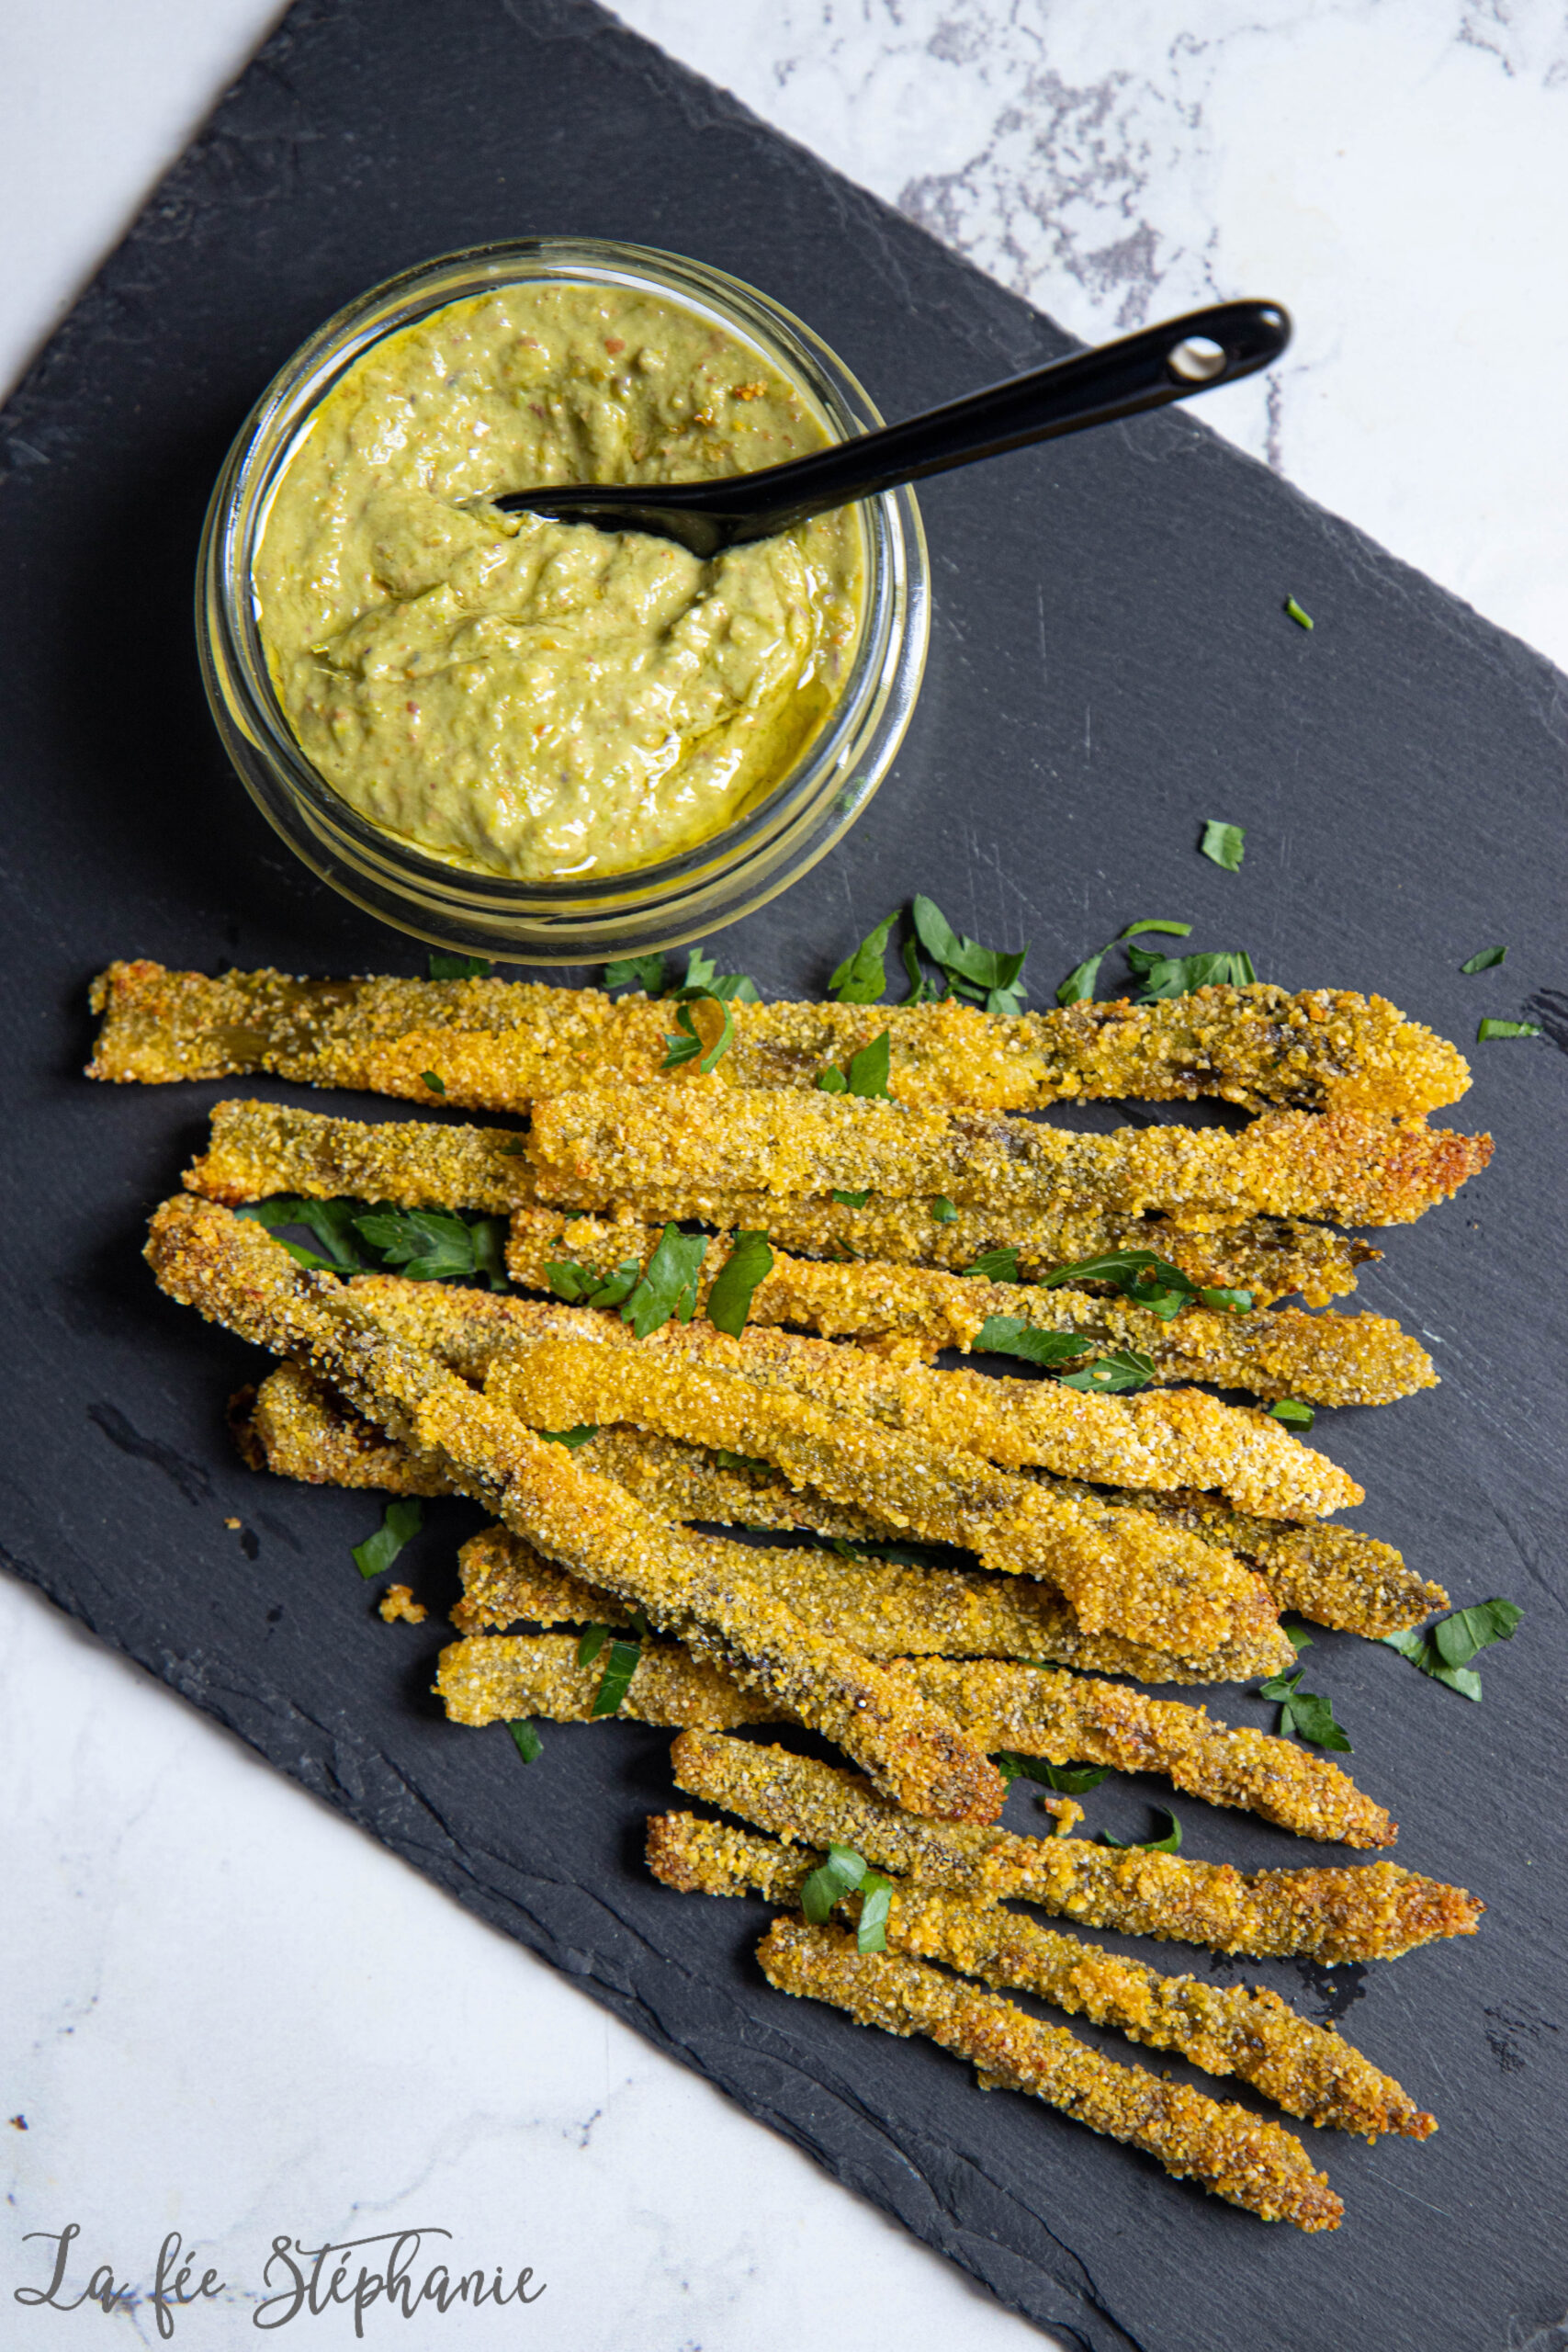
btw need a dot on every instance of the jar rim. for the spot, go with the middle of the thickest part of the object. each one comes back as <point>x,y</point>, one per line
<point>686,896</point>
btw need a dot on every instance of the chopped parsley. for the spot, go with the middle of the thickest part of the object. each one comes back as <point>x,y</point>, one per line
<point>669,1286</point>
<point>582,1286</point>
<point>830,1881</point>
<point>615,1682</point>
<point>1009,1335</point>
<point>1302,620</point>
<point>866,1074</point>
<point>729,1300</point>
<point>875,1902</point>
<point>1223,844</point>
<point>401,1523</point>
<point>687,1045</point>
<point>1148,1281</point>
<point>1310,1717</point>
<point>571,1439</point>
<point>529,1745</point>
<point>997,1265</point>
<point>862,978</point>
<point>1484,960</point>
<point>1107,1375</point>
<point>437,1085</point>
<point>1293,1413</point>
<point>922,989</point>
<point>987,976</point>
<point>332,1223</point>
<point>1445,1651</point>
<point>942,1210</point>
<point>1169,1844</point>
<point>1171,976</point>
<point>460,968</point>
<point>1507,1029</point>
<point>1081,982</point>
<point>432,1245</point>
<point>651,974</point>
<point>1067,1779</point>
<point>428,1245</point>
<point>853,1200</point>
<point>644,972</point>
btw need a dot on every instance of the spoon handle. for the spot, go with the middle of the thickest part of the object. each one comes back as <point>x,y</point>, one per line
<point>1163,363</point>
<point>1144,370</point>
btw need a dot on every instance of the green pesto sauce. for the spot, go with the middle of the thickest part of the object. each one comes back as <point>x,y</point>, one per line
<point>534,698</point>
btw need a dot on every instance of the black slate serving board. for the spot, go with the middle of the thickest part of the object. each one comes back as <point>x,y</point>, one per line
<point>1109,666</point>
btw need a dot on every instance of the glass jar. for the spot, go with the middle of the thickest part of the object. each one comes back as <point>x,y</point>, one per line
<point>683,898</point>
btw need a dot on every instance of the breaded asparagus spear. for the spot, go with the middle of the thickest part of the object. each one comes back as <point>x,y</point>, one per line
<point>1066,1718</point>
<point>909,1312</point>
<point>232,1272</point>
<point>1179,1438</point>
<point>1127,1575</point>
<point>1242,2157</point>
<point>502,1678</point>
<point>1237,2030</point>
<point>596,1147</point>
<point>1373,1912</point>
<point>1335,1576</point>
<point>261,1148</point>
<point>501,1043</point>
<point>887,1607</point>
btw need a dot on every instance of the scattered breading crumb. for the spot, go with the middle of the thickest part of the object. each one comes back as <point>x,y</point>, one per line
<point>398,1601</point>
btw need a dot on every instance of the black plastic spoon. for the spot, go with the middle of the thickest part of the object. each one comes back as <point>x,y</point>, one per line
<point>1190,355</point>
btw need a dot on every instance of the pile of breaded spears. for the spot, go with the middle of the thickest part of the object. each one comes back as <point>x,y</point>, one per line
<point>962,1558</point>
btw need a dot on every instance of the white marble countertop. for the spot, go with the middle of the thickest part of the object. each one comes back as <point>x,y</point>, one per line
<point>226,2012</point>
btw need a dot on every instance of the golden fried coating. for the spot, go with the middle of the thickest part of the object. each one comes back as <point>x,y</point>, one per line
<point>1269,1256</point>
<point>501,1043</point>
<point>596,1147</point>
<point>1153,1439</point>
<point>232,1272</point>
<point>1233,2029</point>
<point>1242,2157</point>
<point>1123,1574</point>
<point>261,1148</point>
<point>301,1428</point>
<point>909,1312</point>
<point>1076,1719</point>
<point>499,1677</point>
<point>1333,1575</point>
<point>1374,1912</point>
<point>1068,1718</point>
<point>888,1608</point>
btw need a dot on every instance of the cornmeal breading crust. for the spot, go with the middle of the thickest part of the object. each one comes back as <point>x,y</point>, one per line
<point>501,1042</point>
<point>1226,2030</point>
<point>1242,2157</point>
<point>1373,1912</point>
<point>232,1272</point>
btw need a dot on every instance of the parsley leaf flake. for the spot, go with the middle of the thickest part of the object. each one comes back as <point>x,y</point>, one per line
<point>1223,844</point>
